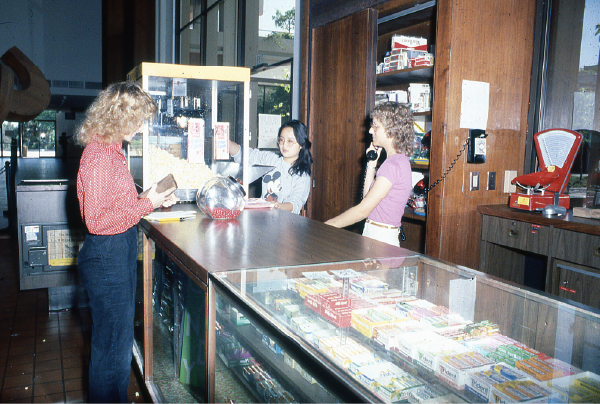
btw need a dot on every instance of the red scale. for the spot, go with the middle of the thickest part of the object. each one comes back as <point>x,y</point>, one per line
<point>556,151</point>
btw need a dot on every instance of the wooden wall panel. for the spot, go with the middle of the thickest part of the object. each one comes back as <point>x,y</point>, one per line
<point>341,95</point>
<point>488,41</point>
<point>127,38</point>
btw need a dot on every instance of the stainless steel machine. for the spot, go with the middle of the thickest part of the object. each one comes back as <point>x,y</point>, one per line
<point>50,234</point>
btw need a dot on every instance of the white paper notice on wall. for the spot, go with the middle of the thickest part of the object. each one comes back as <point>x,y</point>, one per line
<point>475,104</point>
<point>462,297</point>
<point>268,127</point>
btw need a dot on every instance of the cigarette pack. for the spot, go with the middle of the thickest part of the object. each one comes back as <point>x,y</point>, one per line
<point>403,41</point>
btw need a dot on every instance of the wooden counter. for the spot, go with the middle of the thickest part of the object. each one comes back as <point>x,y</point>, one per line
<point>260,238</point>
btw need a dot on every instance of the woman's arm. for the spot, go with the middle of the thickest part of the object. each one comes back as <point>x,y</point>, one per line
<point>284,206</point>
<point>361,211</point>
<point>234,148</point>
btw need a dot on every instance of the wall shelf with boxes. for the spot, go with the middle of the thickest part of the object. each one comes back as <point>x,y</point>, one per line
<point>405,71</point>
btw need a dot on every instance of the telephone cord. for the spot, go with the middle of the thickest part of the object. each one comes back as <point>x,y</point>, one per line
<point>449,168</point>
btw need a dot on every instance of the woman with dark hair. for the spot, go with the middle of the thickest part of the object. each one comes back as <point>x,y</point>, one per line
<point>385,194</point>
<point>111,209</point>
<point>288,184</point>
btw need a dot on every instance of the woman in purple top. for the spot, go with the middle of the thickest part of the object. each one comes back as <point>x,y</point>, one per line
<point>386,191</point>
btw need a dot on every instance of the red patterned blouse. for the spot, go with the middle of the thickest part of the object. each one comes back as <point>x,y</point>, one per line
<point>108,199</point>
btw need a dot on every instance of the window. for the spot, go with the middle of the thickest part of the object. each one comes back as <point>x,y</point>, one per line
<point>568,83</point>
<point>36,138</point>
<point>261,37</point>
<point>10,131</point>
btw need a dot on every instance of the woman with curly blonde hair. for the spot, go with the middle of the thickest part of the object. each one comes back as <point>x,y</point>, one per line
<point>111,209</point>
<point>385,194</point>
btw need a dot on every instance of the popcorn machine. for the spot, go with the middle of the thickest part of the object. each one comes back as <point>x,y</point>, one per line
<point>200,108</point>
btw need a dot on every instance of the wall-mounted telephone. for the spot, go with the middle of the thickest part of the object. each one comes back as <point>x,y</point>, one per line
<point>475,154</point>
<point>477,146</point>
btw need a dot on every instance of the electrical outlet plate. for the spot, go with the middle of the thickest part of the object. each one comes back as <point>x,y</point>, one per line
<point>474,181</point>
<point>491,180</point>
<point>508,177</point>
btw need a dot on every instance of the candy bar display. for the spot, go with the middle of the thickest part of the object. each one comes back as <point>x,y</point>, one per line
<point>385,335</point>
<point>199,109</point>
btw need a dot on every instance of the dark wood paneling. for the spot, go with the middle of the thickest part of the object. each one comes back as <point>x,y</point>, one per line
<point>414,231</point>
<point>470,38</point>
<point>342,92</point>
<point>128,29</point>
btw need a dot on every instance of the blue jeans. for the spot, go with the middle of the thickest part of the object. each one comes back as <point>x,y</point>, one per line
<point>107,267</point>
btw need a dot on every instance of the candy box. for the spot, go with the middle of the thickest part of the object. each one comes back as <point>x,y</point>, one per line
<point>238,318</point>
<point>323,333</point>
<point>480,381</point>
<point>271,344</point>
<point>455,368</point>
<point>313,302</point>
<point>292,310</point>
<point>365,320</point>
<point>368,285</point>
<point>288,360</point>
<point>579,388</point>
<point>297,321</point>
<point>334,301</point>
<point>279,302</point>
<point>407,343</point>
<point>545,370</point>
<point>359,361</point>
<point>520,391</point>
<point>343,354</point>
<point>340,317</point>
<point>428,355</point>
<point>327,344</point>
<point>368,374</point>
<point>309,286</point>
<point>306,330</point>
<point>395,387</point>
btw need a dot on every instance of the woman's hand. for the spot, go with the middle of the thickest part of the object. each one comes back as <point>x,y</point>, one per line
<point>170,201</point>
<point>159,199</point>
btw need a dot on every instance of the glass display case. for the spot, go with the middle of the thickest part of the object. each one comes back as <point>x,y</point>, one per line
<point>200,108</point>
<point>409,329</point>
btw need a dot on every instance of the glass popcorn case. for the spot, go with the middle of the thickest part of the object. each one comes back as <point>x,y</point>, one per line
<point>409,329</point>
<point>200,109</point>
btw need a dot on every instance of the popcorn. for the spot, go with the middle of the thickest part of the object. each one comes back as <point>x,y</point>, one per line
<point>188,175</point>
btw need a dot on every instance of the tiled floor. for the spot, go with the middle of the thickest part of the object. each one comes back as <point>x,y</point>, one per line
<point>43,354</point>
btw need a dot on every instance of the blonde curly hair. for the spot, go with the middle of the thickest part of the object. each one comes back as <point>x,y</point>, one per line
<point>118,111</point>
<point>397,120</point>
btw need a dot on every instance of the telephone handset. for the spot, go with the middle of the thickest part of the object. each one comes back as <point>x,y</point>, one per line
<point>477,146</point>
<point>371,155</point>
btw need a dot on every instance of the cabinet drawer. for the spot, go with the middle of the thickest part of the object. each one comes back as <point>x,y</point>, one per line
<point>578,283</point>
<point>579,248</point>
<point>513,233</point>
